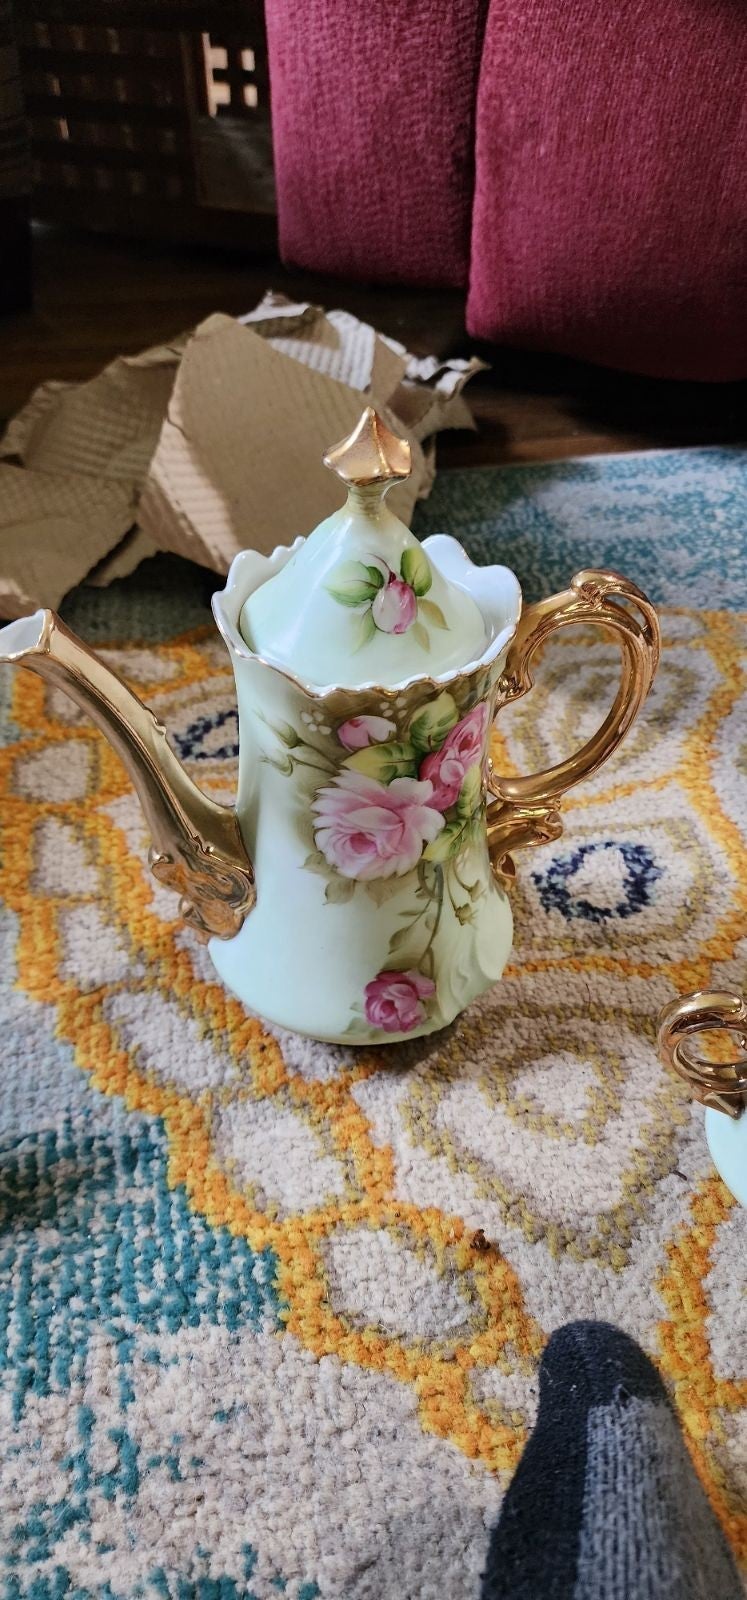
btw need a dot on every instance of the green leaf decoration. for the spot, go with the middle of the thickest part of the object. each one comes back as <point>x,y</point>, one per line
<point>428,876</point>
<point>339,890</point>
<point>385,761</point>
<point>464,914</point>
<point>475,890</point>
<point>433,722</point>
<point>470,793</point>
<point>352,583</point>
<point>475,830</point>
<point>415,570</point>
<point>377,578</point>
<point>448,843</point>
<point>280,763</point>
<point>357,1029</point>
<point>382,889</point>
<point>317,863</point>
<point>421,634</point>
<point>365,630</point>
<point>433,614</point>
<point>398,939</point>
<point>285,732</point>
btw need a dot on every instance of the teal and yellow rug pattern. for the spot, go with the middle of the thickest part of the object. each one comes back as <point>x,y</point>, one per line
<point>271,1311</point>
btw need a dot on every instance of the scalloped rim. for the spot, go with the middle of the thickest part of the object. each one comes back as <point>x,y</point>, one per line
<point>495,591</point>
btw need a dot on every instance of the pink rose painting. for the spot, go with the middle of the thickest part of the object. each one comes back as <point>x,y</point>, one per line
<point>447,768</point>
<point>395,608</point>
<point>396,804</point>
<point>366,829</point>
<point>386,601</point>
<point>359,732</point>
<point>393,1001</point>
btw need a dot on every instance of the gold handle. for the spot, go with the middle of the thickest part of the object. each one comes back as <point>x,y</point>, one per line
<point>721,1085</point>
<point>525,811</point>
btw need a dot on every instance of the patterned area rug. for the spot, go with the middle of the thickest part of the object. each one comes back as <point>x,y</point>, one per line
<point>271,1311</point>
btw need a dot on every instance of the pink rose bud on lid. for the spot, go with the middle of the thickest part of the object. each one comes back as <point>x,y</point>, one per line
<point>395,607</point>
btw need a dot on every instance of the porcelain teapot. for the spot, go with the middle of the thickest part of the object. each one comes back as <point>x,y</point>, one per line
<point>357,891</point>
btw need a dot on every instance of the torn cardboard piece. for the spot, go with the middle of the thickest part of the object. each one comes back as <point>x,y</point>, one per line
<point>206,445</point>
<point>107,428</point>
<point>72,465</point>
<point>51,533</point>
<point>230,472</point>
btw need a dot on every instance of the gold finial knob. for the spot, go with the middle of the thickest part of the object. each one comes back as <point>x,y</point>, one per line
<point>371,454</point>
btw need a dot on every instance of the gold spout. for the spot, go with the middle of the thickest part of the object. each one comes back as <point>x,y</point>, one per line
<point>197,846</point>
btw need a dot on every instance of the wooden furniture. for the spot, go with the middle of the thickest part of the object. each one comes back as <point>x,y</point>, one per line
<point>15,176</point>
<point>151,117</point>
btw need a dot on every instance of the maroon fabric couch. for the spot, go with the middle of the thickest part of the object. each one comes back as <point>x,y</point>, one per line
<point>581,169</point>
<point>373,110</point>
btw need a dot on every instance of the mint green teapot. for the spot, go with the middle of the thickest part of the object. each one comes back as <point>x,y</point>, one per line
<point>357,891</point>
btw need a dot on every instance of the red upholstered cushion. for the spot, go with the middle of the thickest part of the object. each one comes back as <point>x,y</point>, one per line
<point>373,130</point>
<point>610,214</point>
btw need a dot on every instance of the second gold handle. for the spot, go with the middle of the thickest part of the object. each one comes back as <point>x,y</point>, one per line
<point>722,1085</point>
<point>525,811</point>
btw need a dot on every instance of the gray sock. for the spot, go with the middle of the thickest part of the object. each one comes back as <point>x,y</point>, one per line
<point>605,1503</point>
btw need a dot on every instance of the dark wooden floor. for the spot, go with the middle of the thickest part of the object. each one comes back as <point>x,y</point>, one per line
<point>97,297</point>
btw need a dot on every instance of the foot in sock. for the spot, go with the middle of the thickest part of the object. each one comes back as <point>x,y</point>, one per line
<point>605,1503</point>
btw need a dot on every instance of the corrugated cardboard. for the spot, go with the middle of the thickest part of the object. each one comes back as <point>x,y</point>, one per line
<point>205,445</point>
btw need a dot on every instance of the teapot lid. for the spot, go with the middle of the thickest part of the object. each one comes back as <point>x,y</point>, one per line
<point>359,601</point>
